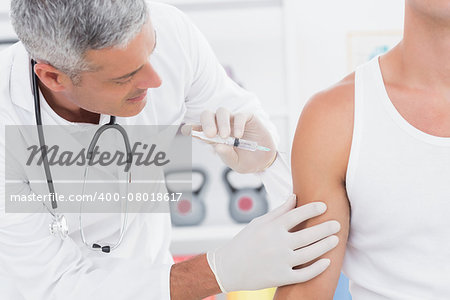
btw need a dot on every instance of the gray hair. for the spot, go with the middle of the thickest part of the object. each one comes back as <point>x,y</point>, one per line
<point>59,32</point>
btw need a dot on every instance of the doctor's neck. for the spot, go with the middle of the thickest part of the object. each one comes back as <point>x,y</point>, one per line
<point>65,108</point>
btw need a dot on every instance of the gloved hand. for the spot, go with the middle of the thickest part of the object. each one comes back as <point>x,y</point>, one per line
<point>246,126</point>
<point>263,254</point>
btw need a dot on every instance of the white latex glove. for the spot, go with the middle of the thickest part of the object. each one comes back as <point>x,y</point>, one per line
<point>264,253</point>
<point>246,126</point>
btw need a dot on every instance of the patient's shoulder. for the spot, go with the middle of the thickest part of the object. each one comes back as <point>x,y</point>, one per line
<point>337,99</point>
<point>325,127</point>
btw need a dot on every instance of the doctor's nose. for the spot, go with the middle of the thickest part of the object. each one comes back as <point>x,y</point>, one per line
<point>148,78</point>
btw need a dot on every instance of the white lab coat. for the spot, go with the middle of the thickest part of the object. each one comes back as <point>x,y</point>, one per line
<point>45,267</point>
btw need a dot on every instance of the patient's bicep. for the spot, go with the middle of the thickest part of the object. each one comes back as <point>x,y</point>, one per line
<point>319,159</point>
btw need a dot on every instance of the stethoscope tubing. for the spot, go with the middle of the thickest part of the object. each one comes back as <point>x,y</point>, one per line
<point>59,223</point>
<point>37,108</point>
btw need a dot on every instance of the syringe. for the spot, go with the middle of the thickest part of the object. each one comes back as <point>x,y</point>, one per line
<point>231,141</point>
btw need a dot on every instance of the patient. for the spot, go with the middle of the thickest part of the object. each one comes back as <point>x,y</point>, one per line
<point>376,148</point>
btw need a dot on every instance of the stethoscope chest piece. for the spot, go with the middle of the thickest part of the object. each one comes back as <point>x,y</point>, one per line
<point>59,226</point>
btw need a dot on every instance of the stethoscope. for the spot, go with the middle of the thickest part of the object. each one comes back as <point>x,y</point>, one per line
<point>59,226</point>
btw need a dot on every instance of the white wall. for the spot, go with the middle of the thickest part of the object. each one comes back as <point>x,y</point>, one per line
<point>317,41</point>
<point>321,29</point>
<point>6,30</point>
<point>315,50</point>
<point>4,5</point>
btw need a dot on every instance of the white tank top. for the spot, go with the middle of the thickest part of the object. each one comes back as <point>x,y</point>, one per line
<point>398,184</point>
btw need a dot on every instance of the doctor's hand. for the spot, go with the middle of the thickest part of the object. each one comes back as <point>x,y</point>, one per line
<point>245,126</point>
<point>264,253</point>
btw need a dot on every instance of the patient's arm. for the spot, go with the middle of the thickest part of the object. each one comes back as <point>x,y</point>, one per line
<point>319,162</point>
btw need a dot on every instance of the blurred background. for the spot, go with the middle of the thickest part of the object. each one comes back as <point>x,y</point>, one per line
<point>284,51</point>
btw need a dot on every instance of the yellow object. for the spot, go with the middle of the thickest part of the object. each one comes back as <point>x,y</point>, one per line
<point>266,294</point>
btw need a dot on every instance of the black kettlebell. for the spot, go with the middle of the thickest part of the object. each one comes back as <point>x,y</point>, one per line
<point>245,203</point>
<point>190,209</point>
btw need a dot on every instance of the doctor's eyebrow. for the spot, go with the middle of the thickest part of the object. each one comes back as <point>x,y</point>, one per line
<point>128,75</point>
<point>138,69</point>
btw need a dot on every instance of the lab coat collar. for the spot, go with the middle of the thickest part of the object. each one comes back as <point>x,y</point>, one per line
<point>20,80</point>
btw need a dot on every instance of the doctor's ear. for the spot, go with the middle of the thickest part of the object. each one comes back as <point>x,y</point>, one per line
<point>51,77</point>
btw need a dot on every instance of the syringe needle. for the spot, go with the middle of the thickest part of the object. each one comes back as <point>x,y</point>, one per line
<point>231,141</point>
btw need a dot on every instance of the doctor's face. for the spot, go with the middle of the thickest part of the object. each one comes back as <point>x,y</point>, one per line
<point>120,80</point>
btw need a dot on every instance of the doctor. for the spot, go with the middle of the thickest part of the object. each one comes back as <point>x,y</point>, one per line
<point>146,64</point>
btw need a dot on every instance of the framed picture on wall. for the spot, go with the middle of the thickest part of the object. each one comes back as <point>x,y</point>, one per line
<point>362,46</point>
